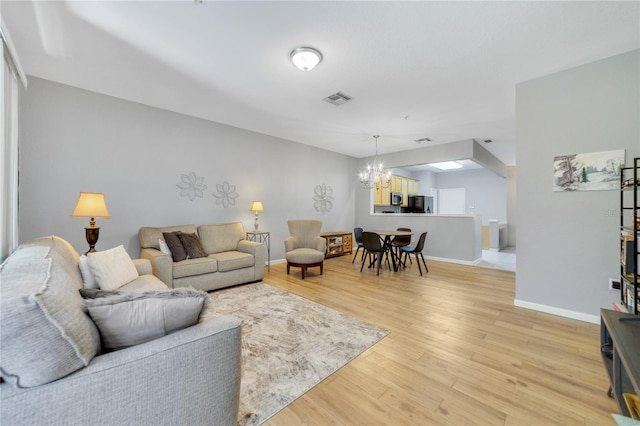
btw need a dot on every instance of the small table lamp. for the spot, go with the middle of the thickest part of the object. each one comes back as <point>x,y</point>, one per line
<point>256,206</point>
<point>92,205</point>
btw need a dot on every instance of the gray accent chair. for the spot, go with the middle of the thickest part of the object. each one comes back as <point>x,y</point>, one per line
<point>305,248</point>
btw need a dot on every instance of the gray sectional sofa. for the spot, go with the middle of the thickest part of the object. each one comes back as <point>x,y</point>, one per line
<point>231,260</point>
<point>54,374</point>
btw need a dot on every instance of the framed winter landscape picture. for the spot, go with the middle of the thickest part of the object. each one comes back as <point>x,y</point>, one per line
<point>592,171</point>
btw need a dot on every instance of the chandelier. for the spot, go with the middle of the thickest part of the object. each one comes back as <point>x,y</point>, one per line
<point>375,176</point>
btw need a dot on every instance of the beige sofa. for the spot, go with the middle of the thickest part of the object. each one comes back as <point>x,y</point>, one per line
<point>231,260</point>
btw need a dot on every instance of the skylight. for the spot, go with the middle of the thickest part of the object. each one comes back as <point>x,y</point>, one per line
<point>446,165</point>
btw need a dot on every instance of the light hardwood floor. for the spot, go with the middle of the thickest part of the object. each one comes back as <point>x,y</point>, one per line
<point>458,352</point>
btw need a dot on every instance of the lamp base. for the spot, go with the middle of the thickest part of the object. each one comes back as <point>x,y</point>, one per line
<point>92,233</point>
<point>255,223</point>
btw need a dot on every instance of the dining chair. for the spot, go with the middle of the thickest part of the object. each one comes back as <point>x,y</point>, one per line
<point>357,232</point>
<point>374,247</point>
<point>400,241</point>
<point>416,251</point>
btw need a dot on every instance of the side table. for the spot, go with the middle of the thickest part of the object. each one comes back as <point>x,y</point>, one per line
<point>265,238</point>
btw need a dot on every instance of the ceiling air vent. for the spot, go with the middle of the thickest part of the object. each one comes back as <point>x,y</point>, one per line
<point>422,140</point>
<point>337,99</point>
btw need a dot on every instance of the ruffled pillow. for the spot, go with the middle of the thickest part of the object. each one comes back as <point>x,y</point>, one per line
<point>128,318</point>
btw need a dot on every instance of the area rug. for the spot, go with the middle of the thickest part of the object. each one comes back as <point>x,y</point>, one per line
<point>289,345</point>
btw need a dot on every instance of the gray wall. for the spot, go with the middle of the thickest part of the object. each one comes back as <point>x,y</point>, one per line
<point>450,238</point>
<point>467,149</point>
<point>73,140</point>
<point>489,195</point>
<point>568,242</point>
<point>485,191</point>
<point>512,218</point>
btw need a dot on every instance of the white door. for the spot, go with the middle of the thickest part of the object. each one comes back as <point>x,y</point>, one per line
<point>452,201</point>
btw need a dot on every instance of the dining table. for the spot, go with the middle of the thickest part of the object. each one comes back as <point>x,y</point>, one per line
<point>387,237</point>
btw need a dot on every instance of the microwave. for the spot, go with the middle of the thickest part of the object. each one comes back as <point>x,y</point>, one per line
<point>396,198</point>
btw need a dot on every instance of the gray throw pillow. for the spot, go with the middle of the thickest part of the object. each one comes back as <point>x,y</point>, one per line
<point>175,245</point>
<point>45,333</point>
<point>127,318</point>
<point>192,245</point>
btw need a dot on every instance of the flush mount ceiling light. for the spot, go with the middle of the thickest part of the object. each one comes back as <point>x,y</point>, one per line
<point>446,165</point>
<point>305,58</point>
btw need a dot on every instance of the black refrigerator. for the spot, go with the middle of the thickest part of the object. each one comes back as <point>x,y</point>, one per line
<point>415,204</point>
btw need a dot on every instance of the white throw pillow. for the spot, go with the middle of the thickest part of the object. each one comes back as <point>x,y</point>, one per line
<point>88,280</point>
<point>164,247</point>
<point>112,268</point>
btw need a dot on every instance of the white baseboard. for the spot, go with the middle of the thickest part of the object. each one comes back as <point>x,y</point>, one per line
<point>437,259</point>
<point>458,261</point>
<point>595,319</point>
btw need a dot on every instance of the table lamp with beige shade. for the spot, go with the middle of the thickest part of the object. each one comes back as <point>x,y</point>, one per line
<point>91,205</point>
<point>256,206</point>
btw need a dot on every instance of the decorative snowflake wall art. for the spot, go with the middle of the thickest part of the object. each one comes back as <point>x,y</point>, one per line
<point>323,200</point>
<point>225,194</point>
<point>191,186</point>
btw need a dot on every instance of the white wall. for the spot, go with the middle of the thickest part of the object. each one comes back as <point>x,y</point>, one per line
<point>568,242</point>
<point>73,140</point>
<point>485,191</point>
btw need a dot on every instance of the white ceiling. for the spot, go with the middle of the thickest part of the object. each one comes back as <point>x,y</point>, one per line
<point>442,70</point>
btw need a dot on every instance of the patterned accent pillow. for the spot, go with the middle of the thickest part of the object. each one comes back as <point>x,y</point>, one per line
<point>175,245</point>
<point>128,318</point>
<point>192,245</point>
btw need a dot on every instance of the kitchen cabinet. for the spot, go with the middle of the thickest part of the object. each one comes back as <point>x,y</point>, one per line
<point>405,192</point>
<point>412,187</point>
<point>405,185</point>
<point>396,183</point>
<point>382,196</point>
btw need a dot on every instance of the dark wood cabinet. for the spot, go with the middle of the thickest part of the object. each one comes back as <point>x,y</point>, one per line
<point>620,347</point>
